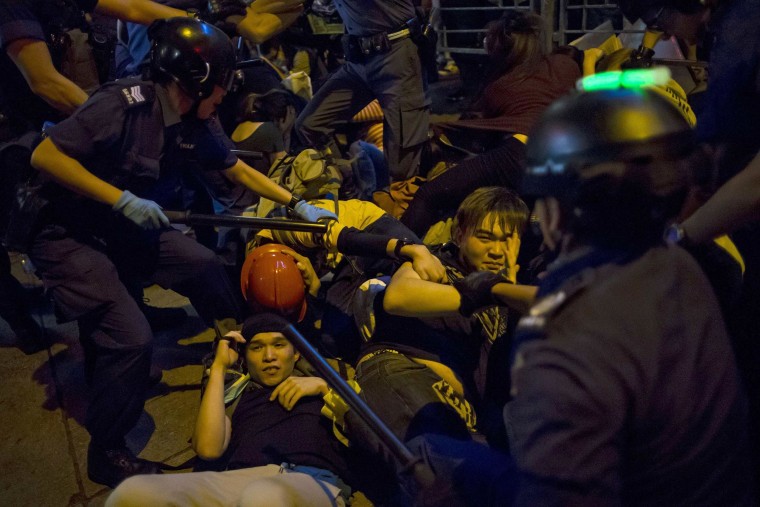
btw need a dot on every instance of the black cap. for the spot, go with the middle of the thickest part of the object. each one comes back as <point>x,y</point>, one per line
<point>263,323</point>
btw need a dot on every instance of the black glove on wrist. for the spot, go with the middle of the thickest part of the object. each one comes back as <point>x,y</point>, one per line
<point>475,290</point>
<point>219,10</point>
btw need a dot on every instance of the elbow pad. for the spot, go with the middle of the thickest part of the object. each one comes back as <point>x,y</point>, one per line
<point>353,241</point>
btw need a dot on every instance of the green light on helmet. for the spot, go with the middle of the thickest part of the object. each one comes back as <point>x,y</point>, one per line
<point>632,78</point>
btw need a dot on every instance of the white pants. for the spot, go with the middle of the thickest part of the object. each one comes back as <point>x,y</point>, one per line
<point>263,486</point>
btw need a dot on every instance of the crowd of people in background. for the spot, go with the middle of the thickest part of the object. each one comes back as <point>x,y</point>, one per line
<point>550,300</point>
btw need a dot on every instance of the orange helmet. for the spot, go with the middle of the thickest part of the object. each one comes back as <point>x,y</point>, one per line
<point>271,281</point>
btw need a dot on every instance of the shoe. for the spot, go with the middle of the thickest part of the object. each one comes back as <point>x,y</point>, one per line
<point>457,96</point>
<point>449,70</point>
<point>30,338</point>
<point>155,376</point>
<point>110,467</point>
<point>161,318</point>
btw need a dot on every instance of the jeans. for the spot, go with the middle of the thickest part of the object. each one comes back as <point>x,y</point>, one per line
<point>412,399</point>
<point>370,169</point>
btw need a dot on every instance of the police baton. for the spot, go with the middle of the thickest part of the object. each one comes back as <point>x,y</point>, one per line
<point>255,155</point>
<point>281,224</point>
<point>409,463</point>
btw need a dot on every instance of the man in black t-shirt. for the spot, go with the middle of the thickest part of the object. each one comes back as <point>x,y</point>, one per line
<point>279,449</point>
<point>429,351</point>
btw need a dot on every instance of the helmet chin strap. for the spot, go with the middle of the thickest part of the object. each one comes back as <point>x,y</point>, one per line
<point>193,112</point>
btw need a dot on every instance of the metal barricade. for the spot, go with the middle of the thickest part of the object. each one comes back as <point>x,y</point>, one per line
<point>568,19</point>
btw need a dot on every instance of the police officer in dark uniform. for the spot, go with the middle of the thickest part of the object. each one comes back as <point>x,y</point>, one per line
<point>382,61</point>
<point>625,388</point>
<point>728,122</point>
<point>99,234</point>
<point>33,40</point>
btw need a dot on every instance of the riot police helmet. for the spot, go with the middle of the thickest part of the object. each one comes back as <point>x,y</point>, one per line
<point>196,55</point>
<point>616,155</point>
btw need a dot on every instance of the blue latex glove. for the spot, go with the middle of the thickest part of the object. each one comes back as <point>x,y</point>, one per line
<point>147,214</point>
<point>312,213</point>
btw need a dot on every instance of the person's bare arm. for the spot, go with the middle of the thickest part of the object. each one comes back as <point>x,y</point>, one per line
<point>427,265</point>
<point>518,297</point>
<point>310,278</point>
<point>266,18</point>
<point>245,175</point>
<point>408,295</point>
<point>212,427</point>
<point>71,174</point>
<point>733,205</point>
<point>143,12</point>
<point>32,57</point>
<point>292,389</point>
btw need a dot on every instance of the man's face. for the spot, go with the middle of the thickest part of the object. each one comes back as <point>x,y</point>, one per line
<point>488,247</point>
<point>271,358</point>
<point>207,106</point>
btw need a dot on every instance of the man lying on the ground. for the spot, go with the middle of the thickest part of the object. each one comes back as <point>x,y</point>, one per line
<point>278,448</point>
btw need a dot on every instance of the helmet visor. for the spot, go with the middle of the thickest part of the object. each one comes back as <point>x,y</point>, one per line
<point>227,79</point>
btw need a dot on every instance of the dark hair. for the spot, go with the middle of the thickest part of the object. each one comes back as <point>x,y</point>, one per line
<point>270,106</point>
<point>507,208</point>
<point>514,43</point>
<point>635,9</point>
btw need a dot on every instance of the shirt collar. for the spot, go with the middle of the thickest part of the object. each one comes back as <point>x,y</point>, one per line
<point>170,115</point>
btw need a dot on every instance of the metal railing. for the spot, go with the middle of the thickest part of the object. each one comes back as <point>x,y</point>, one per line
<point>496,10</point>
<point>568,19</point>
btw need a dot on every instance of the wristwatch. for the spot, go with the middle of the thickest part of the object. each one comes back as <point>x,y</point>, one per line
<point>401,243</point>
<point>676,235</point>
<point>294,199</point>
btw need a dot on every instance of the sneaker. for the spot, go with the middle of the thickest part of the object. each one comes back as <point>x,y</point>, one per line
<point>449,70</point>
<point>457,96</point>
<point>155,376</point>
<point>110,467</point>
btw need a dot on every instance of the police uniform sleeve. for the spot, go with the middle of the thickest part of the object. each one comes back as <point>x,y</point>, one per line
<point>212,146</point>
<point>17,21</point>
<point>97,126</point>
<point>564,425</point>
<point>88,5</point>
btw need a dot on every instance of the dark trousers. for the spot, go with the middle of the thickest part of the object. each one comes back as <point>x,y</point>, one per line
<point>13,307</point>
<point>96,281</point>
<point>411,399</point>
<point>395,78</point>
<point>439,197</point>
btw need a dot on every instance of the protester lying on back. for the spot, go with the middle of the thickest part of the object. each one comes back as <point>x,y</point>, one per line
<point>279,449</point>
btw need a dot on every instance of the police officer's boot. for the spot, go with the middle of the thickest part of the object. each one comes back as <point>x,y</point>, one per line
<point>16,312</point>
<point>112,466</point>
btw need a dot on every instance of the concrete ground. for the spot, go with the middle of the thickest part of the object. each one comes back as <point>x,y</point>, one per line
<point>43,396</point>
<point>43,399</point>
